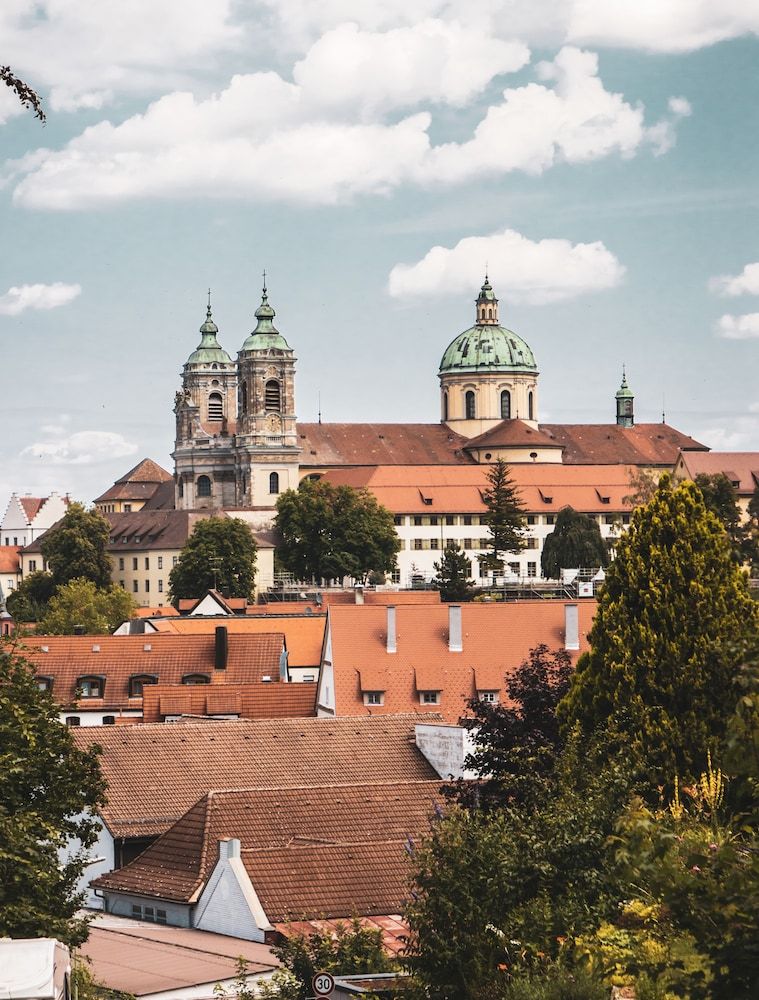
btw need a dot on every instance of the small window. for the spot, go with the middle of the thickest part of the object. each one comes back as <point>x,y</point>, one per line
<point>136,911</point>
<point>550,519</point>
<point>147,562</point>
<point>399,519</point>
<point>532,519</point>
<point>467,519</point>
<point>273,482</point>
<point>109,720</point>
<point>450,519</point>
<point>90,687</point>
<point>127,508</point>
<point>147,586</point>
<point>138,682</point>
<point>491,697</point>
<point>204,486</point>
<point>196,679</point>
<point>32,565</point>
<point>505,405</point>
<point>160,916</point>
<point>272,395</point>
<point>430,697</point>
<point>73,720</point>
<point>244,398</point>
<point>445,406</point>
<point>174,560</point>
<point>45,683</point>
<point>160,562</point>
<point>374,697</point>
<point>530,407</point>
<point>135,586</point>
<point>134,562</point>
<point>121,562</point>
<point>181,487</point>
<point>470,405</point>
<point>532,569</point>
<point>160,586</point>
<point>148,913</point>
<point>215,407</point>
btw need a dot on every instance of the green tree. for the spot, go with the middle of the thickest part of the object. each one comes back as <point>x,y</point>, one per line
<point>29,601</point>
<point>77,546</point>
<point>452,574</point>
<point>662,663</point>
<point>80,603</point>
<point>330,532</point>
<point>49,791</point>
<point>574,542</point>
<point>721,497</point>
<point>505,514</point>
<point>220,552</point>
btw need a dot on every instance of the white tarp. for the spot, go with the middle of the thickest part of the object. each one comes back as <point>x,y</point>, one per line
<point>28,969</point>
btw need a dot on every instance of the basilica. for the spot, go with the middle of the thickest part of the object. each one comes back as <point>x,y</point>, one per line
<point>239,443</point>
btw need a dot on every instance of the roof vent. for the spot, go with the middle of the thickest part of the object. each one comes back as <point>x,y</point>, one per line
<point>96,648</point>
<point>147,647</point>
<point>266,679</point>
<point>45,649</point>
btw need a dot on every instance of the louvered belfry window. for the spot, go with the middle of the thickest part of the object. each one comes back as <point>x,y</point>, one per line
<point>215,407</point>
<point>272,395</point>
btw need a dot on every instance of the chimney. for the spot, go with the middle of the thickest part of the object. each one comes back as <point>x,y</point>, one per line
<point>455,635</point>
<point>571,627</point>
<point>359,592</point>
<point>229,848</point>
<point>79,630</point>
<point>221,648</point>
<point>392,646</point>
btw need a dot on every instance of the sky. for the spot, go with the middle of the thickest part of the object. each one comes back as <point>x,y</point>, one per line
<point>599,157</point>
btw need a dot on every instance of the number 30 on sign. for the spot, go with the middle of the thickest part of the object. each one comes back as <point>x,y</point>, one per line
<point>323,984</point>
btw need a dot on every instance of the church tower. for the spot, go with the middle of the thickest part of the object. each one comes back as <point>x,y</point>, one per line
<point>625,401</point>
<point>267,450</point>
<point>487,374</point>
<point>206,413</point>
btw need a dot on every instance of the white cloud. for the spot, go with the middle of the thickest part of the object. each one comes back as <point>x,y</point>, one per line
<point>264,137</point>
<point>660,25</point>
<point>22,297</point>
<point>81,448</point>
<point>521,270</point>
<point>85,52</point>
<point>745,283</point>
<point>739,433</point>
<point>744,327</point>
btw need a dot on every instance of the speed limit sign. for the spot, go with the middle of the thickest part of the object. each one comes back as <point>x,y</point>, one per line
<point>323,984</point>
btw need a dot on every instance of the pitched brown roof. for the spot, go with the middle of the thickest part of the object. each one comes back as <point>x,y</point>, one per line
<point>9,561</point>
<point>511,433</point>
<point>610,444</point>
<point>146,471</point>
<point>67,658</point>
<point>360,823</point>
<point>31,506</point>
<point>162,497</point>
<point>156,772</point>
<point>380,444</point>
<point>740,467</point>
<point>260,700</point>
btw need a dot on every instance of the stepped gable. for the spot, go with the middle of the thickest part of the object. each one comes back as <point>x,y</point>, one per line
<point>31,506</point>
<point>380,444</point>
<point>612,444</point>
<point>155,773</point>
<point>286,832</point>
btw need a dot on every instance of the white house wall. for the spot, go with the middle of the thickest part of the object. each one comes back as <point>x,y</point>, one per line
<point>102,856</point>
<point>228,903</point>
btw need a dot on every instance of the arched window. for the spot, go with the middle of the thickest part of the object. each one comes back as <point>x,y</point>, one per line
<point>196,679</point>
<point>204,486</point>
<point>273,482</point>
<point>490,313</point>
<point>272,395</point>
<point>529,407</point>
<point>138,681</point>
<point>445,406</point>
<point>244,398</point>
<point>181,487</point>
<point>505,405</point>
<point>215,407</point>
<point>73,720</point>
<point>469,405</point>
<point>90,686</point>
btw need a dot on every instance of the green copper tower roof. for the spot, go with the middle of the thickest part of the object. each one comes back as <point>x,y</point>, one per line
<point>624,391</point>
<point>209,350</point>
<point>265,336</point>
<point>487,346</point>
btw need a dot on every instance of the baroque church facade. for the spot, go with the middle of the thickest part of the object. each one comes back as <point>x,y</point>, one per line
<point>239,444</point>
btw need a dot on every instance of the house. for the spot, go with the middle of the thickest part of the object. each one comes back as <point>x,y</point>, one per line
<point>740,467</point>
<point>100,680</point>
<point>28,517</point>
<point>10,567</point>
<point>156,773</point>
<point>142,486</point>
<point>378,661</point>
<point>434,506</point>
<point>248,861</point>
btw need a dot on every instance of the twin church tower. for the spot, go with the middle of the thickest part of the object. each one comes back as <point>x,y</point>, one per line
<point>237,441</point>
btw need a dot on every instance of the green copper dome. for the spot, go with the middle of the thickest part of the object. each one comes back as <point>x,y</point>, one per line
<point>265,336</point>
<point>486,346</point>
<point>624,391</point>
<point>209,350</point>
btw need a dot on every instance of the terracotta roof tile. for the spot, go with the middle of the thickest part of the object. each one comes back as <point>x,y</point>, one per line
<point>510,433</point>
<point>393,928</point>
<point>31,506</point>
<point>601,444</point>
<point>9,560</point>
<point>379,444</point>
<point>497,638</point>
<point>740,467</point>
<point>146,471</point>
<point>249,701</point>
<point>156,772</point>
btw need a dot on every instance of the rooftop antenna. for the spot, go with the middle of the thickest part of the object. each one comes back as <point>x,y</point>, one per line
<point>319,396</point>
<point>264,281</point>
<point>663,415</point>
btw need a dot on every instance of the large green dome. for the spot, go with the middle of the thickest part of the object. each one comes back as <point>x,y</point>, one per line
<point>209,351</point>
<point>486,346</point>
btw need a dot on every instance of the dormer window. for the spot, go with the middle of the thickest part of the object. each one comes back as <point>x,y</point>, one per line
<point>215,407</point>
<point>374,697</point>
<point>90,686</point>
<point>138,681</point>
<point>44,683</point>
<point>196,679</point>
<point>490,697</point>
<point>429,697</point>
<point>272,395</point>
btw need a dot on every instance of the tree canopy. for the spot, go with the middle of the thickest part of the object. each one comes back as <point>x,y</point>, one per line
<point>221,553</point>
<point>505,514</point>
<point>721,497</point>
<point>452,574</point>
<point>48,793</point>
<point>80,604</point>
<point>672,617</point>
<point>575,542</point>
<point>330,532</point>
<point>29,601</point>
<point>77,546</point>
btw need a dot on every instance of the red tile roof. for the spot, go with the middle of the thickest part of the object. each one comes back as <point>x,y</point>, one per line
<point>31,506</point>
<point>290,838</point>
<point>9,561</point>
<point>146,471</point>
<point>156,772</point>
<point>392,927</point>
<point>168,657</point>
<point>497,638</point>
<point>610,444</point>
<point>249,701</point>
<point>379,444</point>
<point>740,467</point>
<point>510,433</point>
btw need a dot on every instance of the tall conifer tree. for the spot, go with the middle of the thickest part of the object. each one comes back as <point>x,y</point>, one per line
<point>505,514</point>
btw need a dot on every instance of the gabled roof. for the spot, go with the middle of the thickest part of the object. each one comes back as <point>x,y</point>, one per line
<point>31,506</point>
<point>305,848</point>
<point>740,467</point>
<point>380,444</point>
<point>155,773</point>
<point>512,433</point>
<point>611,444</point>
<point>146,471</point>
<point>258,700</point>
<point>497,638</point>
<point>168,657</point>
